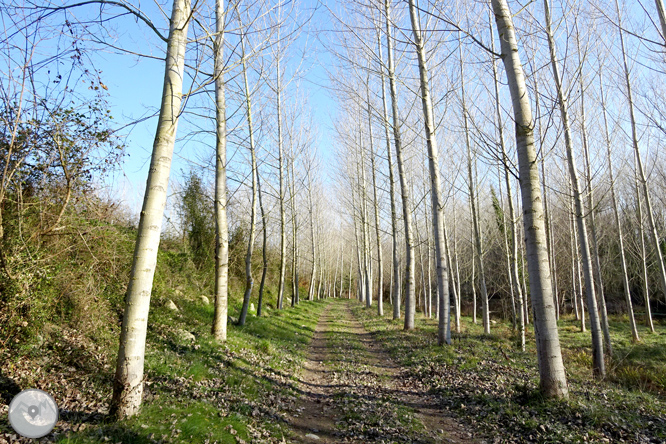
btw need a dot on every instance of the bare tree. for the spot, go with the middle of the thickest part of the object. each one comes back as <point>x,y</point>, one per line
<point>128,381</point>
<point>654,235</point>
<point>553,381</point>
<point>598,363</point>
<point>410,300</point>
<point>221,226</point>
<point>616,214</point>
<point>513,233</point>
<point>444,331</point>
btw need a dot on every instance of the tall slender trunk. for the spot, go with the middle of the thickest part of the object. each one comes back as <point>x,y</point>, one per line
<point>264,252</point>
<point>513,253</point>
<point>249,281</point>
<point>359,253</point>
<point>351,267</point>
<point>419,246</point>
<point>616,213</point>
<point>507,251</point>
<point>335,277</point>
<point>444,329</point>
<point>577,263</point>
<point>550,243</point>
<point>429,302</point>
<point>478,242</point>
<point>526,301</point>
<point>654,235</point>
<point>128,381</point>
<point>410,300</point>
<point>598,364</point>
<point>593,229</point>
<point>454,278</point>
<point>553,382</point>
<point>458,282</point>
<point>313,271</point>
<point>473,277</point>
<point>395,283</point>
<point>641,235</point>
<point>281,197</point>
<point>294,233</point>
<point>342,268</point>
<point>375,200</point>
<point>550,239</point>
<point>365,228</point>
<point>321,278</point>
<point>574,274</point>
<point>219,329</point>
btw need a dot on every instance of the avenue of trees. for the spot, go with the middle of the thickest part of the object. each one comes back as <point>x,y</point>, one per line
<point>492,160</point>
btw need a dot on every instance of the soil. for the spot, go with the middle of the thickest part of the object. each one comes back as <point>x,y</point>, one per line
<point>321,415</point>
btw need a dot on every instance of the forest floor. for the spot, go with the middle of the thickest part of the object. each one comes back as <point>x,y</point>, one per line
<point>333,371</point>
<point>354,392</point>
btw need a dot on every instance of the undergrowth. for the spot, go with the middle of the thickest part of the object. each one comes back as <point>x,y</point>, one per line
<point>196,390</point>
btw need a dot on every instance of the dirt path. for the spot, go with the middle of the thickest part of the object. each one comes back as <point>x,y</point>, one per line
<point>317,413</point>
<point>354,393</point>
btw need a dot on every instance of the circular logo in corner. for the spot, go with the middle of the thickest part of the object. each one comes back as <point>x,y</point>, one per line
<point>33,413</point>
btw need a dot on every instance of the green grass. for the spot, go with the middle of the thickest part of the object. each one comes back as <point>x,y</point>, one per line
<point>370,409</point>
<point>195,392</point>
<point>489,383</point>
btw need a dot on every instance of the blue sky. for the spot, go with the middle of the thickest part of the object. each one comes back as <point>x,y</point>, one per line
<point>135,86</point>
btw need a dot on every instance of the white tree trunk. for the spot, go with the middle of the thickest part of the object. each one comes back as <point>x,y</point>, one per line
<point>573,241</point>
<point>593,229</point>
<point>478,241</point>
<point>548,222</point>
<point>458,281</point>
<point>281,197</point>
<point>128,381</point>
<point>513,252</point>
<point>444,330</point>
<point>654,235</point>
<point>365,227</point>
<point>395,283</point>
<point>264,250</point>
<point>375,200</point>
<point>616,212</point>
<point>641,235</point>
<point>359,252</point>
<point>553,382</point>
<point>599,367</point>
<point>249,281</point>
<point>410,300</point>
<point>294,234</point>
<point>453,279</point>
<point>550,240</point>
<point>313,271</point>
<point>221,226</point>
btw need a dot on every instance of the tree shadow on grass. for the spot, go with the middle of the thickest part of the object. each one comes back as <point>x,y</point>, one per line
<point>8,389</point>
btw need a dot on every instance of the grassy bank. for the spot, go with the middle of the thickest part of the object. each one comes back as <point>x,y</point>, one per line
<point>492,386</point>
<point>197,390</point>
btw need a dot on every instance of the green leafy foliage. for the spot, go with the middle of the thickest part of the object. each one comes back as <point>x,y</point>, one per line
<point>196,213</point>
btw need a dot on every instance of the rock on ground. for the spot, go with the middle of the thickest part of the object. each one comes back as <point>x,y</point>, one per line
<point>185,336</point>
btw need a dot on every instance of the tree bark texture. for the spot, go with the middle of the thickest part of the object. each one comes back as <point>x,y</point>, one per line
<point>553,382</point>
<point>128,381</point>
